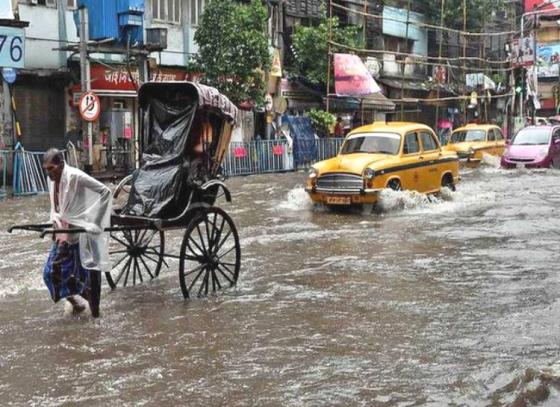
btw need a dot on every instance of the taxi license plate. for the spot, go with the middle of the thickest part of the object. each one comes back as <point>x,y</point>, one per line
<point>338,200</point>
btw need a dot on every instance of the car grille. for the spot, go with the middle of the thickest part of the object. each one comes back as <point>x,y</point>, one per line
<point>520,160</point>
<point>340,183</point>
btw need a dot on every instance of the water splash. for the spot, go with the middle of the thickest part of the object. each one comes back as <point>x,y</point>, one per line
<point>533,387</point>
<point>296,200</point>
<point>404,200</point>
<point>491,160</point>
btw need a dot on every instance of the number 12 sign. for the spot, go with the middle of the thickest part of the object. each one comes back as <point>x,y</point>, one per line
<point>12,47</point>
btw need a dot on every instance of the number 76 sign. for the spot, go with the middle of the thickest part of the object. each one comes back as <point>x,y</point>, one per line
<point>12,47</point>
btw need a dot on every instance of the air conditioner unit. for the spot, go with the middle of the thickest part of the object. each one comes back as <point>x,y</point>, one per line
<point>156,38</point>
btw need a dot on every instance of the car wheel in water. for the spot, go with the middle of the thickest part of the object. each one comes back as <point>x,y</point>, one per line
<point>447,182</point>
<point>395,185</point>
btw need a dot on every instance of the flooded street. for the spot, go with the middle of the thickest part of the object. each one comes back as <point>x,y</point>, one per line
<point>426,302</point>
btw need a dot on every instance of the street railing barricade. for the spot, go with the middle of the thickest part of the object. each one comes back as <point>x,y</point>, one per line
<point>268,156</point>
<point>242,158</point>
<point>26,167</point>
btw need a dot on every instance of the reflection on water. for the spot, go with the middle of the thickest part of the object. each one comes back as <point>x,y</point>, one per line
<point>427,301</point>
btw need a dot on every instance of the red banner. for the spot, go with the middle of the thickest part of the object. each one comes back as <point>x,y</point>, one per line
<point>117,78</point>
<point>531,5</point>
<point>351,77</point>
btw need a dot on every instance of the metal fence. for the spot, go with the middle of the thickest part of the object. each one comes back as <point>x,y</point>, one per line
<point>265,156</point>
<point>25,168</point>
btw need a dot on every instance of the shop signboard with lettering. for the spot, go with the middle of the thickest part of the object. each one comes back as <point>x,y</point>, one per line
<point>12,47</point>
<point>548,59</point>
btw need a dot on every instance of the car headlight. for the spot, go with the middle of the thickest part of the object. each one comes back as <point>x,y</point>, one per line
<point>369,174</point>
<point>313,173</point>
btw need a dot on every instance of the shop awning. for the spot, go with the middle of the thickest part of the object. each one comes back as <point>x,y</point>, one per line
<point>377,101</point>
<point>406,84</point>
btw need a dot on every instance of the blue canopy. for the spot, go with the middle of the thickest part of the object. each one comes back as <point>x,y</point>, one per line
<point>302,132</point>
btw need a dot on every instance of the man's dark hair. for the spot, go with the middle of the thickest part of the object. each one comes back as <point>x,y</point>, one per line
<point>54,155</point>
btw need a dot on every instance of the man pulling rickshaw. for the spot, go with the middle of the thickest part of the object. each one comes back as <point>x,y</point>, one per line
<point>185,131</point>
<point>76,261</point>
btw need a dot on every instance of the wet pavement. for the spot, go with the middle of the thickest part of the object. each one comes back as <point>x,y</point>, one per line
<point>443,301</point>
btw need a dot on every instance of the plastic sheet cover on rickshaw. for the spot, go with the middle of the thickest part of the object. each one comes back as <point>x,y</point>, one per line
<point>158,186</point>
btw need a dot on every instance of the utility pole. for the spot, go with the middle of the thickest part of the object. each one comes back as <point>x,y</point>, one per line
<point>404,65</point>
<point>85,76</point>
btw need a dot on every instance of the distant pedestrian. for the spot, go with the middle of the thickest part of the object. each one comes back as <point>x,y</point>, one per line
<point>338,128</point>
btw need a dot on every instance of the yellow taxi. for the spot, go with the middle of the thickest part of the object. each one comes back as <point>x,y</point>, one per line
<point>473,140</point>
<point>396,155</point>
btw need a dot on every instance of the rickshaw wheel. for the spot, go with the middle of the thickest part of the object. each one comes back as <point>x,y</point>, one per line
<point>210,254</point>
<point>135,255</point>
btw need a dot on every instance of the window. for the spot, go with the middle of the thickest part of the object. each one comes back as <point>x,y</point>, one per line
<point>469,135</point>
<point>71,4</point>
<point>167,10</point>
<point>49,3</point>
<point>411,145</point>
<point>197,8</point>
<point>498,134</point>
<point>374,143</point>
<point>397,44</point>
<point>491,136</point>
<point>428,141</point>
<point>532,136</point>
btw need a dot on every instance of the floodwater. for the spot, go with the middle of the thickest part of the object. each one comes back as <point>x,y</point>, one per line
<point>426,302</point>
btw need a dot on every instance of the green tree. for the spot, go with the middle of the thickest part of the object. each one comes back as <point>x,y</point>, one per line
<point>478,12</point>
<point>310,45</point>
<point>233,49</point>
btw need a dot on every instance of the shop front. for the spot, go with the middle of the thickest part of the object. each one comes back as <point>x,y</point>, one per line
<point>115,141</point>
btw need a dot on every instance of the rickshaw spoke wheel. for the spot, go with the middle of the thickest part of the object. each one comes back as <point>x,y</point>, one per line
<point>210,255</point>
<point>136,256</point>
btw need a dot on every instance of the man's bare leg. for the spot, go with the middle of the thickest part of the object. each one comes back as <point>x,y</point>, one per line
<point>95,293</point>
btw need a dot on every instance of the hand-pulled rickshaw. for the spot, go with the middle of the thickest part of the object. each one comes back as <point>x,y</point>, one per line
<point>185,130</point>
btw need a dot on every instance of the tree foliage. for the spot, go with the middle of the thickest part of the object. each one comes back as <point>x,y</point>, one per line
<point>310,46</point>
<point>233,49</point>
<point>322,121</point>
<point>479,12</point>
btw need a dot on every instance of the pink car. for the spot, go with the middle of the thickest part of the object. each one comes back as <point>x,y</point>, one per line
<point>533,147</point>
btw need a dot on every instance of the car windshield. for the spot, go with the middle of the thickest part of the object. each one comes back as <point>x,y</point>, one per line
<point>468,135</point>
<point>532,136</point>
<point>377,142</point>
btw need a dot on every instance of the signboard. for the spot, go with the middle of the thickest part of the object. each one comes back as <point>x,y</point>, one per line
<point>531,5</point>
<point>474,80</point>
<point>9,75</point>
<point>373,66</point>
<point>276,68</point>
<point>12,47</point>
<point>351,77</point>
<point>89,106</point>
<point>548,59</point>
<point>523,51</point>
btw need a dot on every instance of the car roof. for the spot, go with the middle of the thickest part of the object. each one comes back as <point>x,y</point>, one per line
<point>474,126</point>
<point>393,127</point>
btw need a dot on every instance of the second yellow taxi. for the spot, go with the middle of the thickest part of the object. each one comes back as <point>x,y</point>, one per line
<point>396,155</point>
<point>473,140</point>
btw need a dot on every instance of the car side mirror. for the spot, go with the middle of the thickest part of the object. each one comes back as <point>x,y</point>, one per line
<point>557,141</point>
